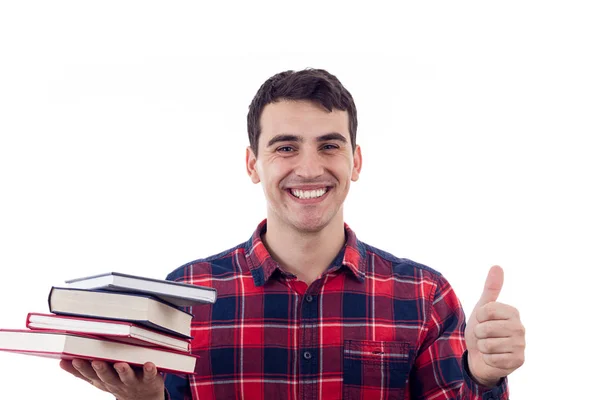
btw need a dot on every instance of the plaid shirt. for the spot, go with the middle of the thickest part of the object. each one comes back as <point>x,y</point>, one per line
<point>373,326</point>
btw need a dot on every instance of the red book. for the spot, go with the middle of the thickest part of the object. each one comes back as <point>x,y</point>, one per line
<point>115,330</point>
<point>58,344</point>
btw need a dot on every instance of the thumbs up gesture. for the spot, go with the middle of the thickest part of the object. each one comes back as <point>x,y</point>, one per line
<point>494,334</point>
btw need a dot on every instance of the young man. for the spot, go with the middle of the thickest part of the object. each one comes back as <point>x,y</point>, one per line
<point>306,310</point>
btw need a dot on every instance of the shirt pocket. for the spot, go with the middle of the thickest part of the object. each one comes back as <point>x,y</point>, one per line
<point>375,369</point>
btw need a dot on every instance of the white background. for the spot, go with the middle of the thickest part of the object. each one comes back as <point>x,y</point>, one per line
<point>123,131</point>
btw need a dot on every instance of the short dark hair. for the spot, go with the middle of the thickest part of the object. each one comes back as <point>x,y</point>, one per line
<point>316,85</point>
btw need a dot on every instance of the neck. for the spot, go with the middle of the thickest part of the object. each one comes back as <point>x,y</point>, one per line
<point>304,254</point>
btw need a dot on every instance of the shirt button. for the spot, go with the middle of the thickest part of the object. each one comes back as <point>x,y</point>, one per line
<point>307,355</point>
<point>309,298</point>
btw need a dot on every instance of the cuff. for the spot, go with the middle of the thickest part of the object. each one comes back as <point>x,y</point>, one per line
<point>498,392</point>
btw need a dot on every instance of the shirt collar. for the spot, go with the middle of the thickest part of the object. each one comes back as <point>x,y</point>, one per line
<point>262,265</point>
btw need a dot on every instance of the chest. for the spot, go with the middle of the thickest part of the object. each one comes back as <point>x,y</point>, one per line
<point>288,314</point>
<point>332,338</point>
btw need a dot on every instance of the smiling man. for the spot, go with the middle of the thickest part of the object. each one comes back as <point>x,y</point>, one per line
<point>308,311</point>
<point>304,157</point>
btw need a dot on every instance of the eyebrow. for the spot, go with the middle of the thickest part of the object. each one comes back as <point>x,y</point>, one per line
<point>295,138</point>
<point>332,136</point>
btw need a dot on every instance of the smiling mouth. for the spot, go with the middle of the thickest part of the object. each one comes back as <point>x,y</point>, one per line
<point>308,194</point>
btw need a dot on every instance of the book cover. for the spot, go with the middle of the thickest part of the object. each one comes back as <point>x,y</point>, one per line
<point>180,294</point>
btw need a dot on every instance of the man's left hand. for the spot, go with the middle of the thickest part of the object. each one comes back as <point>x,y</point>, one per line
<point>494,334</point>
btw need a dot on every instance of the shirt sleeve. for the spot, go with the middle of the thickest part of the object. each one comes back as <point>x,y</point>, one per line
<point>177,387</point>
<point>440,369</point>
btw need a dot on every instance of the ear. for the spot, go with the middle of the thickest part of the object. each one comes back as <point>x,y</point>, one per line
<point>357,163</point>
<point>251,165</point>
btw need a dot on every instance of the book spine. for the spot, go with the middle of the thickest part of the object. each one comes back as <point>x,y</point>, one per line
<point>50,299</point>
<point>27,321</point>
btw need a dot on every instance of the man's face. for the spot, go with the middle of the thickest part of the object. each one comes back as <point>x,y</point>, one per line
<point>305,163</point>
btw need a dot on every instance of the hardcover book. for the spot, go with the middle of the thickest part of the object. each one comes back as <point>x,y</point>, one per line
<point>132,307</point>
<point>55,344</point>
<point>114,330</point>
<point>180,294</point>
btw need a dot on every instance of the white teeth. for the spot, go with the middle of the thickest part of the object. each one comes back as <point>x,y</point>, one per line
<point>308,194</point>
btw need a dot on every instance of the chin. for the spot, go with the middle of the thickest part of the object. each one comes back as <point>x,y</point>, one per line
<point>310,225</point>
<point>310,228</point>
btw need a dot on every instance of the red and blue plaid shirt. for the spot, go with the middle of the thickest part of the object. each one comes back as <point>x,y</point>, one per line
<point>373,326</point>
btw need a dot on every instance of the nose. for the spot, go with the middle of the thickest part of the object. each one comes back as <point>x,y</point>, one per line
<point>310,165</point>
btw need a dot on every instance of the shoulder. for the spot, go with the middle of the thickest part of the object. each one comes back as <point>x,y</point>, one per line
<point>219,264</point>
<point>406,273</point>
<point>387,263</point>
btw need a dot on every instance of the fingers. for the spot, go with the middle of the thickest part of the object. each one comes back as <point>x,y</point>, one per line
<point>125,373</point>
<point>505,361</point>
<point>499,329</point>
<point>499,345</point>
<point>120,379</point>
<point>496,311</point>
<point>84,368</point>
<point>98,373</point>
<point>150,372</point>
<point>106,373</point>
<point>129,377</point>
<point>67,365</point>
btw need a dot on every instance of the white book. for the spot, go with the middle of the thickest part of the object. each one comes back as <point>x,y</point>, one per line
<point>141,309</point>
<point>55,344</point>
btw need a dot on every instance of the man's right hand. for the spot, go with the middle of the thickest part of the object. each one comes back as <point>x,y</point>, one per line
<point>119,379</point>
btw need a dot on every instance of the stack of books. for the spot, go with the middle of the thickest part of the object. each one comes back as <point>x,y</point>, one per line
<point>117,318</point>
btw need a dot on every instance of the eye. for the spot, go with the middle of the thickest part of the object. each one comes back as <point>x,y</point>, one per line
<point>285,149</point>
<point>330,146</point>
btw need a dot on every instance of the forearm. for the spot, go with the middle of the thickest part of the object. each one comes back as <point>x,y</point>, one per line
<point>441,366</point>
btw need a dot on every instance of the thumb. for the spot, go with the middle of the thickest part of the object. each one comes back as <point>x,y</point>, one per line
<point>493,286</point>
